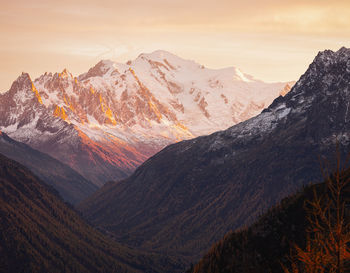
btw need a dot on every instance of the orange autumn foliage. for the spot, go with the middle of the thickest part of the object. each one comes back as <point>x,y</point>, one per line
<point>327,248</point>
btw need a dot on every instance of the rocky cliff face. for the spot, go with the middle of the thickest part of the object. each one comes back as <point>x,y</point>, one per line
<point>107,121</point>
<point>191,193</point>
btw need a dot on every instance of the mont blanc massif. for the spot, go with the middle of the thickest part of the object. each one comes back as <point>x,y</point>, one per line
<point>163,165</point>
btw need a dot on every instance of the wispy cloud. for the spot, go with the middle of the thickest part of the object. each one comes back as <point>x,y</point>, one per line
<point>256,35</point>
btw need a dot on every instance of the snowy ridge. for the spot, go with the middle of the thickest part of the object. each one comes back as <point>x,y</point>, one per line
<point>124,113</point>
<point>158,94</point>
<point>324,73</point>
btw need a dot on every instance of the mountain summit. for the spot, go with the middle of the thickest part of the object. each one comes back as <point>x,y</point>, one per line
<point>191,193</point>
<point>107,121</point>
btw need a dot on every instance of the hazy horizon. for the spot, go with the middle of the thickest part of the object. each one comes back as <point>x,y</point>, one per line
<point>270,40</point>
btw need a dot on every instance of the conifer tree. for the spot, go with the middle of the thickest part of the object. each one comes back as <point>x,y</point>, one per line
<point>327,246</point>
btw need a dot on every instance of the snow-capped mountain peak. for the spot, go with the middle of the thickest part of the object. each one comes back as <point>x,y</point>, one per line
<point>23,91</point>
<point>324,89</point>
<point>142,105</point>
<point>99,70</point>
<point>65,74</point>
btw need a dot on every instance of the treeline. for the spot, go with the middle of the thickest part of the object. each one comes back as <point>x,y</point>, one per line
<point>308,232</point>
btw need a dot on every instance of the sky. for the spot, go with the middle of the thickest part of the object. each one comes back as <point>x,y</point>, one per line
<point>273,40</point>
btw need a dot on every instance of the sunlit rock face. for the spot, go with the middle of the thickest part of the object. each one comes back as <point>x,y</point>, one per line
<point>106,122</point>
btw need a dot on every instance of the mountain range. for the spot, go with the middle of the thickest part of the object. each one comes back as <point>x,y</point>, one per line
<point>101,125</point>
<point>107,121</point>
<point>192,193</point>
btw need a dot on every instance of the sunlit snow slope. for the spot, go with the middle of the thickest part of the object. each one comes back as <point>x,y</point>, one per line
<point>105,122</point>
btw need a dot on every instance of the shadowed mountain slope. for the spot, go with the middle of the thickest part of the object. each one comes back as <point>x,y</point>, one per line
<point>40,233</point>
<point>70,184</point>
<point>192,193</point>
<point>266,245</point>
